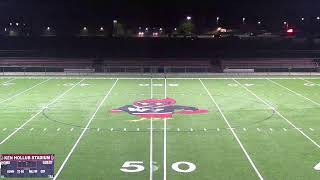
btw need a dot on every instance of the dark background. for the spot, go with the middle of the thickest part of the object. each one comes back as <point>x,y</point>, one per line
<point>70,13</point>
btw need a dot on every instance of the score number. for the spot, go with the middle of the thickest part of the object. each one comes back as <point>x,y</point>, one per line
<point>137,166</point>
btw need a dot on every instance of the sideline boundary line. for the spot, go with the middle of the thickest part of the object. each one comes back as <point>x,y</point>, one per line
<point>294,92</point>
<point>277,112</point>
<point>26,90</point>
<point>39,112</point>
<point>84,130</point>
<point>233,132</point>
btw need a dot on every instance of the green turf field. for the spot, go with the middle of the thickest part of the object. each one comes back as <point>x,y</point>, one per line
<point>254,128</point>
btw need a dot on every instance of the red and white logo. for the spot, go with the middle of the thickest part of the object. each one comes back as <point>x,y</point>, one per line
<point>158,108</point>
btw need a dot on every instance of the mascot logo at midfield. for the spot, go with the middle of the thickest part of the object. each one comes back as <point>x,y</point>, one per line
<point>158,108</point>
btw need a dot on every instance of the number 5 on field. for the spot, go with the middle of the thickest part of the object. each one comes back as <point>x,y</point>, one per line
<point>132,166</point>
<point>137,166</point>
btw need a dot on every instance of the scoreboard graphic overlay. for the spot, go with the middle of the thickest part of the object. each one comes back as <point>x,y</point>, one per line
<point>27,165</point>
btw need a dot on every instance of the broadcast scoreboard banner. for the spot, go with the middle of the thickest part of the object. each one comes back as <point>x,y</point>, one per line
<point>27,165</point>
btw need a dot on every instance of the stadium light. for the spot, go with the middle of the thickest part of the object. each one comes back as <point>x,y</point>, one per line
<point>290,31</point>
<point>189,18</point>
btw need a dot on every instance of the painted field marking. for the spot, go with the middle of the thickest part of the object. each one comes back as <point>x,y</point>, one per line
<point>165,136</point>
<point>258,129</point>
<point>151,138</point>
<point>44,129</point>
<point>244,129</point>
<point>311,129</point>
<point>270,129</point>
<point>277,112</point>
<point>58,129</point>
<point>294,92</point>
<point>5,100</point>
<point>139,78</point>
<point>233,132</point>
<point>71,129</point>
<point>82,133</point>
<point>31,129</point>
<point>39,112</point>
<point>4,129</point>
<point>308,81</point>
<point>317,167</point>
<point>218,129</point>
<point>284,129</point>
<point>8,81</point>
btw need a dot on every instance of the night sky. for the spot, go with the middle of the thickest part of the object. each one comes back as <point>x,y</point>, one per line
<point>154,12</point>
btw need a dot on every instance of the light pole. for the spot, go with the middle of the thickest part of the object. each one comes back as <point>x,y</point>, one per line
<point>218,18</point>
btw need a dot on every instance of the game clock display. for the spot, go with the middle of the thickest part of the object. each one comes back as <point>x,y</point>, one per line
<point>27,165</point>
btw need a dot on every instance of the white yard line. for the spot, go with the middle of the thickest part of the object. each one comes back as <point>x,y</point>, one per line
<point>18,94</point>
<point>233,132</point>
<point>84,130</point>
<point>165,137</point>
<point>294,92</point>
<point>151,137</point>
<point>277,112</point>
<point>39,112</point>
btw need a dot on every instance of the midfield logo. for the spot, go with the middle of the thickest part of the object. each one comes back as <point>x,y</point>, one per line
<point>158,108</point>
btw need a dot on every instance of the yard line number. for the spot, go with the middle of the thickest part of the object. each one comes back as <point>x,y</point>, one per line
<point>137,166</point>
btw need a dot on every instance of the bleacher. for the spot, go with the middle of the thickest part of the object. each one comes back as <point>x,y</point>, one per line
<point>271,64</point>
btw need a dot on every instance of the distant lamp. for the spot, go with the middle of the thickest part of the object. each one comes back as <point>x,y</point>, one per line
<point>318,18</point>
<point>48,28</point>
<point>5,29</point>
<point>175,29</point>
<point>259,22</point>
<point>302,19</point>
<point>85,28</point>
<point>189,18</point>
<point>17,24</point>
<point>244,20</point>
<point>285,23</point>
<point>115,21</point>
<point>101,29</point>
<point>147,29</point>
<point>160,29</point>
